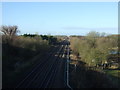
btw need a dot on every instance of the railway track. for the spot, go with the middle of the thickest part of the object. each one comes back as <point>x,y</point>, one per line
<point>44,72</point>
<point>34,70</point>
<point>51,79</point>
<point>43,75</point>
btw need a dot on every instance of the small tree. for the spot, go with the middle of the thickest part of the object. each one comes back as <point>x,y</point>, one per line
<point>91,38</point>
<point>9,32</point>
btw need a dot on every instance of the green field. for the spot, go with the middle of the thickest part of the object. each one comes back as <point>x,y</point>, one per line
<point>114,76</point>
<point>115,73</point>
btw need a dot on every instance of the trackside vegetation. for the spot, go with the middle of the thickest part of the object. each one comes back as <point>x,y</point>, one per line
<point>97,60</point>
<point>18,52</point>
<point>96,48</point>
<point>94,58</point>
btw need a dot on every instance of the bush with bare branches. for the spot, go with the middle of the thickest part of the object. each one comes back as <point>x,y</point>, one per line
<point>9,33</point>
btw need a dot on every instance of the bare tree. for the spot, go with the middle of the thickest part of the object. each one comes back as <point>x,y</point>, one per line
<point>9,32</point>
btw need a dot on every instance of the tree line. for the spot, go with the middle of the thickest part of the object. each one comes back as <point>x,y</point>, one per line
<point>49,38</point>
<point>95,48</point>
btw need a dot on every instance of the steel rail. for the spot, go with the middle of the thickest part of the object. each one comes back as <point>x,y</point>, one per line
<point>51,69</point>
<point>39,74</point>
<point>37,66</point>
<point>27,81</point>
<point>51,80</point>
<point>68,69</point>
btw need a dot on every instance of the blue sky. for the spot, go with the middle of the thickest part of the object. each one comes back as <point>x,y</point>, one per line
<point>61,18</point>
